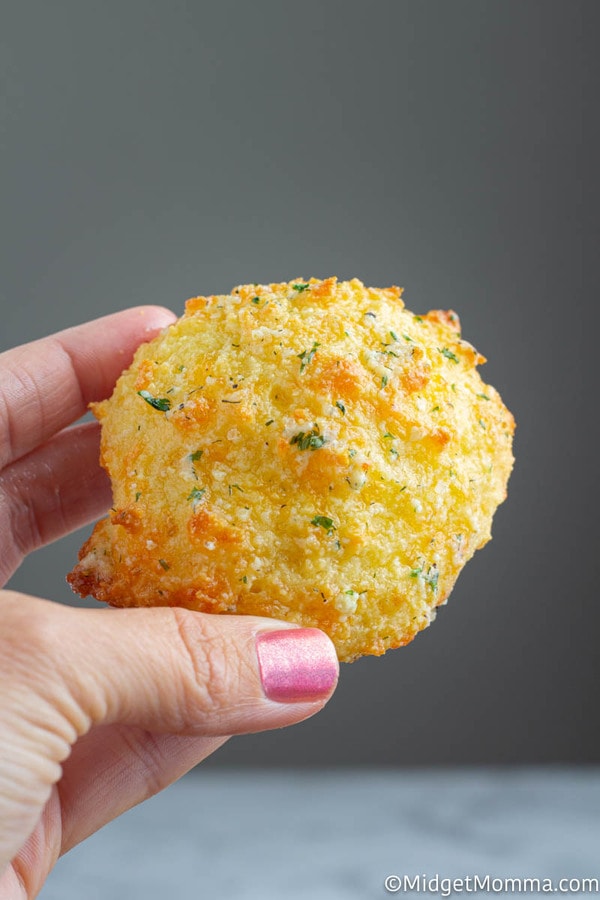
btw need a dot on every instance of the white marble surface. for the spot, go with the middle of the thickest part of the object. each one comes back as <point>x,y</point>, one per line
<point>336,835</point>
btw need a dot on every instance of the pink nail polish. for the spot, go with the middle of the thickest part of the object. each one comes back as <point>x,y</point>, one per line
<point>298,664</point>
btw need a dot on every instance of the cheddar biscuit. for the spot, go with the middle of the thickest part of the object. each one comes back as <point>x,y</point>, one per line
<point>310,451</point>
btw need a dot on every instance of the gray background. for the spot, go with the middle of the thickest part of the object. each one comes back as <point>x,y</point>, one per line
<point>154,150</point>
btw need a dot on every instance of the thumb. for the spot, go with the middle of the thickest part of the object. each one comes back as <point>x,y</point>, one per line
<point>177,671</point>
<point>172,670</point>
<point>166,671</point>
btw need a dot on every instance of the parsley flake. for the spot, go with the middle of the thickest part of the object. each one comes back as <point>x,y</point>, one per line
<point>484,396</point>
<point>164,564</point>
<point>196,455</point>
<point>384,381</point>
<point>256,299</point>
<point>341,407</point>
<point>306,356</point>
<point>196,495</point>
<point>448,354</point>
<point>161,403</point>
<point>310,440</point>
<point>301,286</point>
<point>323,522</point>
<point>432,578</point>
<point>235,487</point>
<point>393,335</point>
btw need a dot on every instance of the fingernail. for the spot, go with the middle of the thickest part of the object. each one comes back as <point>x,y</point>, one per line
<point>298,664</point>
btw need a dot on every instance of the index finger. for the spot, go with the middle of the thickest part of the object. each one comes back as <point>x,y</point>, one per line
<point>47,384</point>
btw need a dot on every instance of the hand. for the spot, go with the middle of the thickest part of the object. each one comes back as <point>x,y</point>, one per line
<point>100,709</point>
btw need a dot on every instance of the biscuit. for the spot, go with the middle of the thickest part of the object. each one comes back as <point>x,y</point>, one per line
<point>310,451</point>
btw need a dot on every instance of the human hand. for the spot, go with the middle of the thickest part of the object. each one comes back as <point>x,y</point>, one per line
<point>100,709</point>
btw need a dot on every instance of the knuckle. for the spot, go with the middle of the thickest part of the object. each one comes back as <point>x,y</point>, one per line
<point>18,519</point>
<point>145,749</point>
<point>34,691</point>
<point>213,665</point>
<point>24,633</point>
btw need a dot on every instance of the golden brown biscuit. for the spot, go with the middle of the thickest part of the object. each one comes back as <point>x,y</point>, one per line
<point>310,451</point>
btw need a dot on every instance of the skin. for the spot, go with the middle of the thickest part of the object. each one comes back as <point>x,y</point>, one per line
<point>99,709</point>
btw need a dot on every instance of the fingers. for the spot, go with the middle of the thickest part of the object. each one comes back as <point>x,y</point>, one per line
<point>159,671</point>
<point>47,384</point>
<point>56,488</point>
<point>110,770</point>
<point>115,767</point>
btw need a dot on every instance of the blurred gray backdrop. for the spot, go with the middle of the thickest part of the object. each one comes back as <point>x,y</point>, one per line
<point>155,150</point>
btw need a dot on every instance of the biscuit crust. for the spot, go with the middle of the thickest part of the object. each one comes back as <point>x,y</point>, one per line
<point>310,451</point>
